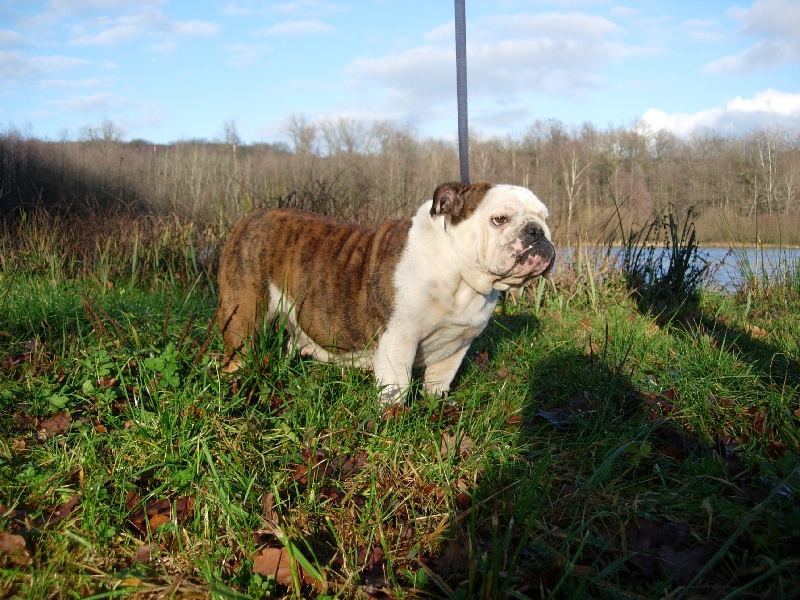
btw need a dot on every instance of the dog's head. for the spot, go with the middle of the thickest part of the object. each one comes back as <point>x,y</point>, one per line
<point>500,230</point>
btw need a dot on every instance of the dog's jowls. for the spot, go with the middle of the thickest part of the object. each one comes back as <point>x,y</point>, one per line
<point>408,293</point>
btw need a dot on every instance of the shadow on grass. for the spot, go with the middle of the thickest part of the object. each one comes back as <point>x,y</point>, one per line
<point>746,343</point>
<point>664,270</point>
<point>611,493</point>
<point>547,523</point>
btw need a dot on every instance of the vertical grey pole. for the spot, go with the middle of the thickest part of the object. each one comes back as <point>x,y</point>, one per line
<point>461,89</point>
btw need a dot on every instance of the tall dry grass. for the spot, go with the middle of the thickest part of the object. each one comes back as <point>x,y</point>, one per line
<point>586,176</point>
<point>124,247</point>
<point>215,182</point>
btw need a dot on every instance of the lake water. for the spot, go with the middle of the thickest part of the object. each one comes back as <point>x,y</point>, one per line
<point>727,266</point>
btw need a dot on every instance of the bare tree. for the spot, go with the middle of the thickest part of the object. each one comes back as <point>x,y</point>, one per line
<point>343,135</point>
<point>106,131</point>
<point>575,162</point>
<point>303,133</point>
<point>767,141</point>
<point>230,133</point>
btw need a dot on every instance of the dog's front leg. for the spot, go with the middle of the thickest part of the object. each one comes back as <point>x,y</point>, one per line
<point>438,376</point>
<point>394,358</point>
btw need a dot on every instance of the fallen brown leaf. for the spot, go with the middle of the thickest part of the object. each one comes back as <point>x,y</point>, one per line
<point>373,560</point>
<point>17,518</point>
<point>558,417</point>
<point>373,567</point>
<point>461,444</point>
<point>13,546</point>
<point>276,562</point>
<point>581,570</point>
<point>158,519</point>
<point>666,549</point>
<point>347,464</point>
<point>268,505</point>
<point>756,332</point>
<point>395,410</point>
<point>776,449</point>
<point>25,421</point>
<point>463,501</point>
<point>593,348</point>
<point>454,559</point>
<point>300,475</point>
<point>759,421</point>
<point>514,420</point>
<point>158,512</point>
<point>449,414</point>
<point>62,512</point>
<point>678,444</point>
<point>131,500</point>
<point>144,553</point>
<point>107,382</point>
<point>55,425</point>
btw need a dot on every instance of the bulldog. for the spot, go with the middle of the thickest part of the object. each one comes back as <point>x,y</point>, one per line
<point>408,293</point>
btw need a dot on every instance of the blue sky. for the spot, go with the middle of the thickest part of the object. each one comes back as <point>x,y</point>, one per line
<point>165,70</point>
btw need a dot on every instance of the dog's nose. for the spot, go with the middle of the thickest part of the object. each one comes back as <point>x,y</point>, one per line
<point>534,230</point>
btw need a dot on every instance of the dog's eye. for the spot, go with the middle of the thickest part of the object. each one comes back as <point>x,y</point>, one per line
<point>499,221</point>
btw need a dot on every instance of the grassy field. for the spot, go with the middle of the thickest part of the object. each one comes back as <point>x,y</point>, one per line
<point>594,446</point>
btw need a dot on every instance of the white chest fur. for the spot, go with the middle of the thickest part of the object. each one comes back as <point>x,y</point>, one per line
<point>452,322</point>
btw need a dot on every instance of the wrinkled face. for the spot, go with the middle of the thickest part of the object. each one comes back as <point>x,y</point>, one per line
<point>507,235</point>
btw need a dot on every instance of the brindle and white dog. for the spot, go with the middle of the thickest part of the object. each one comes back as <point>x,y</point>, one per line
<point>408,293</point>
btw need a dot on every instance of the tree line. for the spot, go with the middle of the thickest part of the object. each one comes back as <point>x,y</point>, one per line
<point>741,188</point>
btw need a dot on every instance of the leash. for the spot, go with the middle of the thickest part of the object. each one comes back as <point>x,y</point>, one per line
<point>461,89</point>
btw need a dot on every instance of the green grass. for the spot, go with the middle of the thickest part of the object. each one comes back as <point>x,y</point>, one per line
<point>590,450</point>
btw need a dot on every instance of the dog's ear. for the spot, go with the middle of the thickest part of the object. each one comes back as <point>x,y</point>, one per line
<point>457,201</point>
<point>447,199</point>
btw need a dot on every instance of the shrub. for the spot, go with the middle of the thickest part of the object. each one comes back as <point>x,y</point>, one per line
<point>662,262</point>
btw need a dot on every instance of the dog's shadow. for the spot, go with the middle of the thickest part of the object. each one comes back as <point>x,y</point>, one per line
<point>502,327</point>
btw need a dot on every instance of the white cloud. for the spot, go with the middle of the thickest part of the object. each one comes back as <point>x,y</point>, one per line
<point>295,8</point>
<point>768,18</point>
<point>18,66</point>
<point>147,22</point>
<point>10,38</point>
<point>304,27</point>
<point>624,12</point>
<point>189,28</point>
<point>101,102</point>
<point>704,30</point>
<point>165,47</point>
<point>767,108</point>
<point>77,6</point>
<point>242,55</point>
<point>508,56</point>
<point>764,54</point>
<point>66,84</point>
<point>551,25</point>
<point>774,24</point>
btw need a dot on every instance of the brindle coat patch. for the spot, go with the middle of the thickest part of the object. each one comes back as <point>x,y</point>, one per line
<point>342,304</point>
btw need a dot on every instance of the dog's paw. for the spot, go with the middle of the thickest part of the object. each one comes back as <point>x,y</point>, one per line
<point>392,395</point>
